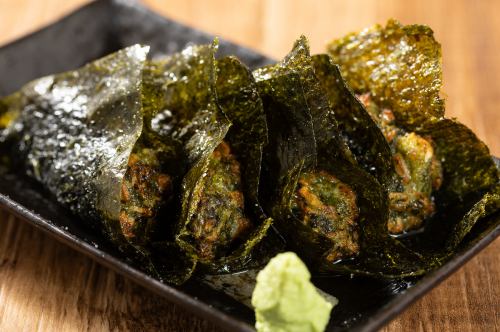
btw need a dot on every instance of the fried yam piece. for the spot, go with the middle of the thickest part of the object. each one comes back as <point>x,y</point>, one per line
<point>328,206</point>
<point>220,222</point>
<point>417,166</point>
<point>144,190</point>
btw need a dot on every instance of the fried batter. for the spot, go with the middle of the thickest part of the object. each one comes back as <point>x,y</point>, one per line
<point>220,220</point>
<point>143,190</point>
<point>418,168</point>
<point>328,206</point>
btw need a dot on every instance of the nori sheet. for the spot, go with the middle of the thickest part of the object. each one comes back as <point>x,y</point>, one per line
<point>361,133</point>
<point>74,133</point>
<point>400,66</point>
<point>200,112</point>
<point>288,90</point>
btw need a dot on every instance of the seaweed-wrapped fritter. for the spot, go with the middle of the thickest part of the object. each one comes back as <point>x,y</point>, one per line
<point>329,207</point>
<point>418,169</point>
<point>222,136</point>
<point>82,135</point>
<point>329,210</point>
<point>395,71</point>
<point>74,133</point>
<point>220,220</point>
<point>321,201</point>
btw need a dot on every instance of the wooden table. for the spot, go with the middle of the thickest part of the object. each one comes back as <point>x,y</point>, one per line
<point>45,286</point>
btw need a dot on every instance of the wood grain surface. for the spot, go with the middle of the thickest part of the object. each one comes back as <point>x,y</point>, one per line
<point>45,286</point>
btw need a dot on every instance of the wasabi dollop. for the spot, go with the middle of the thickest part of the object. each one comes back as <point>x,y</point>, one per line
<point>285,300</point>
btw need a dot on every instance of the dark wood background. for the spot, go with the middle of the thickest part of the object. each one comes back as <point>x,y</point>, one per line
<point>45,286</point>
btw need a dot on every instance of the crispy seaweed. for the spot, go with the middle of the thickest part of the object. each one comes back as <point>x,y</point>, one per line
<point>467,164</point>
<point>183,107</point>
<point>362,134</point>
<point>322,116</point>
<point>77,133</point>
<point>292,145</point>
<point>487,206</point>
<point>220,219</point>
<point>470,182</point>
<point>399,65</point>
<point>288,90</point>
<point>239,100</point>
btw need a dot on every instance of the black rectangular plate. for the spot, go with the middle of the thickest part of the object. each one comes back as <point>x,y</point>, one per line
<point>106,26</point>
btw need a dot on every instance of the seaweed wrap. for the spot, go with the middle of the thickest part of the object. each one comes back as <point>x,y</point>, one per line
<point>214,114</point>
<point>81,134</point>
<point>75,132</point>
<point>445,178</point>
<point>329,210</point>
<point>395,71</point>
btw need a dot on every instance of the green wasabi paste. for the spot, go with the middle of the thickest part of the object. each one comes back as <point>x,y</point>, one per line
<point>285,300</point>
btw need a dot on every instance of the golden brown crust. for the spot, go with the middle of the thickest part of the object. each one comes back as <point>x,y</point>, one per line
<point>328,206</point>
<point>220,220</point>
<point>417,166</point>
<point>143,190</point>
